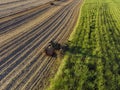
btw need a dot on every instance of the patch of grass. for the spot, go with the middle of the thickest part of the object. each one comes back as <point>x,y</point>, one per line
<point>93,60</point>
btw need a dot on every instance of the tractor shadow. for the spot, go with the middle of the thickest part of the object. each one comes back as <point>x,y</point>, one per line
<point>77,50</point>
<point>54,55</point>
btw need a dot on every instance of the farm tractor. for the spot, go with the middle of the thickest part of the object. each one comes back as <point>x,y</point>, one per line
<point>53,47</point>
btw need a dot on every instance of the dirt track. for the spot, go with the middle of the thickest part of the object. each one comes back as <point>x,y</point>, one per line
<point>23,37</point>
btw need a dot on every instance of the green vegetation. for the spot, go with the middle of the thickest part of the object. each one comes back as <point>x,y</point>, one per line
<point>93,60</point>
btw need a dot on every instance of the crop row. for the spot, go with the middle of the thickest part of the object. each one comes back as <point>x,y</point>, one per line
<point>94,56</point>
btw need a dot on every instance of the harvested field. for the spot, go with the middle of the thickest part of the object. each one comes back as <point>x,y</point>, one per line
<point>26,28</point>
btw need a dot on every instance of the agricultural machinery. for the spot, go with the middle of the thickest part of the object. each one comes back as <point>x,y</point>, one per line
<point>53,47</point>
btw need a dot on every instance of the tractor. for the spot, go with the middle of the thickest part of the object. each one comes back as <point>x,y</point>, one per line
<point>53,46</point>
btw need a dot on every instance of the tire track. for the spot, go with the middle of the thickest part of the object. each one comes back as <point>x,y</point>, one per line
<point>10,25</point>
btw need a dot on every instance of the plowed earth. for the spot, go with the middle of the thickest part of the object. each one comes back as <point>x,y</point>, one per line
<point>26,27</point>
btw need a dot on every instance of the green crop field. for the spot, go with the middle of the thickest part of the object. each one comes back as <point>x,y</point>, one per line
<point>93,60</point>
